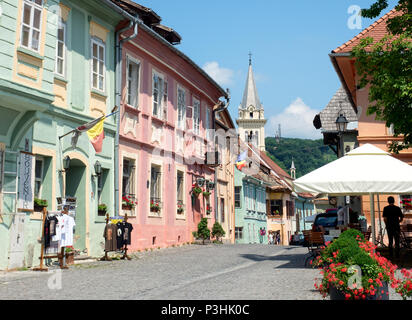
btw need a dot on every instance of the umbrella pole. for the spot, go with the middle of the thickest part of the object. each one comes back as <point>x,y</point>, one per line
<point>372,211</point>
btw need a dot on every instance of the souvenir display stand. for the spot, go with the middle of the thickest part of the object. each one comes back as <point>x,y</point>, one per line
<point>43,256</point>
<point>125,255</point>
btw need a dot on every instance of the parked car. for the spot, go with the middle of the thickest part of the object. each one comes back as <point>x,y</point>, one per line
<point>327,220</point>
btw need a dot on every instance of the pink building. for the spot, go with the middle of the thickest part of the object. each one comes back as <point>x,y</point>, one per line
<point>167,106</point>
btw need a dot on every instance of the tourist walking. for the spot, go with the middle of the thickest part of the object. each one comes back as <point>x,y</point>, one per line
<point>393,216</point>
<point>270,238</point>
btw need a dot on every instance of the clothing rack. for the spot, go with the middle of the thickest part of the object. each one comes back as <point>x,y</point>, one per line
<point>125,255</point>
<point>42,256</point>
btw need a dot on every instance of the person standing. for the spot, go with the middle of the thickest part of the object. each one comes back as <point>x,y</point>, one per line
<point>270,238</point>
<point>393,216</point>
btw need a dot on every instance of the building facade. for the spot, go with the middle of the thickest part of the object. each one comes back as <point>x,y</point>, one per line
<point>56,73</point>
<point>167,114</point>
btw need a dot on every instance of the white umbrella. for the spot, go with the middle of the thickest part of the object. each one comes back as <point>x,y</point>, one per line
<point>366,170</point>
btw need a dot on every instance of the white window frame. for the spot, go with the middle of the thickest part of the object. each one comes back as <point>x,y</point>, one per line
<point>196,116</point>
<point>182,171</point>
<point>63,58</point>
<point>100,73</point>
<point>39,179</point>
<point>162,95</point>
<point>160,188</point>
<point>33,7</point>
<point>207,123</point>
<point>131,175</point>
<point>181,109</point>
<point>136,89</point>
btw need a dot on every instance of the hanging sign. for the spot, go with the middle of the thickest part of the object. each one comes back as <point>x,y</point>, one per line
<point>25,200</point>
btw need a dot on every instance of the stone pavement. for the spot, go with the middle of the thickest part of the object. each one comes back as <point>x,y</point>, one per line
<point>195,272</point>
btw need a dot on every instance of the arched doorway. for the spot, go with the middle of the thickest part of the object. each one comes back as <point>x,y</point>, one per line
<point>76,187</point>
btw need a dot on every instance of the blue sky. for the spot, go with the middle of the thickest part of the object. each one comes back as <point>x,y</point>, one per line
<point>290,42</point>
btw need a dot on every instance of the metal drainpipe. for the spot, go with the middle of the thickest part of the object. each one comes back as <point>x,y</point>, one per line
<point>214,128</point>
<point>119,44</point>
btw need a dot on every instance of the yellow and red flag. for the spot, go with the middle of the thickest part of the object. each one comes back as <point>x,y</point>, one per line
<point>96,135</point>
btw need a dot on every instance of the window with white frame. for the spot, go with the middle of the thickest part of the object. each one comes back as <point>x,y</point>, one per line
<point>133,72</point>
<point>207,125</point>
<point>61,49</point>
<point>196,116</point>
<point>38,177</point>
<point>180,192</point>
<point>98,64</point>
<point>128,182</point>
<point>155,186</point>
<point>238,191</point>
<point>181,108</point>
<point>31,24</point>
<point>238,233</point>
<point>159,94</point>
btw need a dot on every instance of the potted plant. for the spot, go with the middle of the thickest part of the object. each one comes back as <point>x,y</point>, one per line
<point>69,252</point>
<point>218,231</point>
<point>203,232</point>
<point>128,203</point>
<point>180,208</point>
<point>352,269</point>
<point>39,204</point>
<point>196,190</point>
<point>154,206</point>
<point>206,193</point>
<point>101,209</point>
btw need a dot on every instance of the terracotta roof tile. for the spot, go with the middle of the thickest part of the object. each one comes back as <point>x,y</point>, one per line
<point>377,31</point>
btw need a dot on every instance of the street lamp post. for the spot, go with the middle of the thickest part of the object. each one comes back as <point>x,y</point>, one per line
<point>341,124</point>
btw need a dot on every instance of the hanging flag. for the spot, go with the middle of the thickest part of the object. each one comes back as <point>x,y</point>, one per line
<point>241,161</point>
<point>94,130</point>
<point>96,136</point>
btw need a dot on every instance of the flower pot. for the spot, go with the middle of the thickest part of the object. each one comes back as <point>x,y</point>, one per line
<point>37,208</point>
<point>126,207</point>
<point>101,212</point>
<point>336,294</point>
<point>70,258</point>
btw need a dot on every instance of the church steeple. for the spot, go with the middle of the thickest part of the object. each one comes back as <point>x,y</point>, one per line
<point>251,119</point>
<point>250,95</point>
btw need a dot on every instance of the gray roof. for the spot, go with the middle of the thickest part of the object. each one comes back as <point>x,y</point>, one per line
<point>250,95</point>
<point>339,104</point>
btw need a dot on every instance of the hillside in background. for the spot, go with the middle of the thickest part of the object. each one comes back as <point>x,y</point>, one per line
<point>308,155</point>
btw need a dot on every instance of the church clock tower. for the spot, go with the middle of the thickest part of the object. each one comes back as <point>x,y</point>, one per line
<point>251,121</point>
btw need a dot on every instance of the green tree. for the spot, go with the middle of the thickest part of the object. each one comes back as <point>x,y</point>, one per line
<point>386,66</point>
<point>203,232</point>
<point>217,231</point>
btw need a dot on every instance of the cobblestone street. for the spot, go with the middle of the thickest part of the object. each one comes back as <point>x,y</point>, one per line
<point>189,272</point>
<point>211,272</point>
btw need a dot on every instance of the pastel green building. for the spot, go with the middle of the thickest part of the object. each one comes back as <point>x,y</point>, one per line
<point>250,209</point>
<point>57,72</point>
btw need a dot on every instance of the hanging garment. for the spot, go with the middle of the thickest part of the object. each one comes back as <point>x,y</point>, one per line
<point>110,236</point>
<point>50,225</point>
<point>127,233</point>
<point>120,232</point>
<point>66,229</point>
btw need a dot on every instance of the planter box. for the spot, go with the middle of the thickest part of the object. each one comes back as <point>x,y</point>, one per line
<point>336,294</point>
<point>70,258</point>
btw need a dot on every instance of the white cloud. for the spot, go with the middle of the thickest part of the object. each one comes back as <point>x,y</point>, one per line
<point>222,76</point>
<point>296,122</point>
